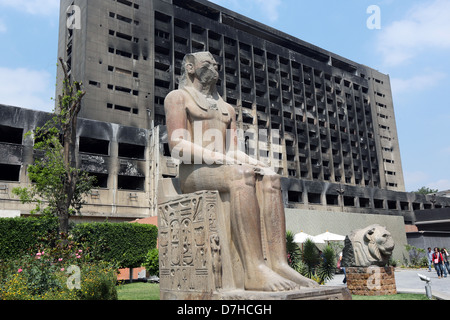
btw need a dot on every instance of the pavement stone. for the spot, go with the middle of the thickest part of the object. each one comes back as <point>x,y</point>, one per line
<point>408,281</point>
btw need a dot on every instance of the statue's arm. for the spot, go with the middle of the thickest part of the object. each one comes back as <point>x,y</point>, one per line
<point>180,139</point>
<point>233,150</point>
<point>176,118</point>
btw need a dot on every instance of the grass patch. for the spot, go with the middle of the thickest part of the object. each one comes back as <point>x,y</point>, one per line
<point>138,291</point>
<point>150,291</point>
<point>400,296</point>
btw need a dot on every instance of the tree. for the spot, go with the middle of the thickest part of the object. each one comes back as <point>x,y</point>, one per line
<point>56,178</point>
<point>426,190</point>
<point>327,266</point>
<point>292,249</point>
<point>309,258</point>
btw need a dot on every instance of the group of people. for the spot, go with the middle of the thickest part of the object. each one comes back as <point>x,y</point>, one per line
<point>440,259</point>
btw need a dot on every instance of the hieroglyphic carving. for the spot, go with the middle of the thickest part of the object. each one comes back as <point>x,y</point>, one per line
<point>190,255</point>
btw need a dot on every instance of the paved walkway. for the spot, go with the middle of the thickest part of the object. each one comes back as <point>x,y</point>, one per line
<point>408,281</point>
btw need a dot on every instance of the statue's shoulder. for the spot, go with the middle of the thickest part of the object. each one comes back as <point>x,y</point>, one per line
<point>175,99</point>
<point>176,94</point>
<point>230,109</point>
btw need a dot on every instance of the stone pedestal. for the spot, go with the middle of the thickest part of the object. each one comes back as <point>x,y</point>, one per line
<point>199,261</point>
<point>371,281</point>
<point>322,293</point>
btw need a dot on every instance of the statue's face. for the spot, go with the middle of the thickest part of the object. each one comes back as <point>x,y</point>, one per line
<point>206,69</point>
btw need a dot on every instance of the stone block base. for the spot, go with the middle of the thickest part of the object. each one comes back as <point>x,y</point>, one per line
<point>199,261</point>
<point>371,281</point>
<point>322,293</point>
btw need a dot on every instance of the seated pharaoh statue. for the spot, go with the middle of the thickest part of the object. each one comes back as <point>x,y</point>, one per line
<point>196,111</point>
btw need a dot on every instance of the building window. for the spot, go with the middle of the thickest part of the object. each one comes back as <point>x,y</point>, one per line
<point>314,198</point>
<point>101,180</point>
<point>131,183</point>
<point>131,151</point>
<point>11,135</point>
<point>294,196</point>
<point>10,173</point>
<point>94,146</point>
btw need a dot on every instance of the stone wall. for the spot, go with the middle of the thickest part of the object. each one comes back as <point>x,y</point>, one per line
<point>343,223</point>
<point>371,281</point>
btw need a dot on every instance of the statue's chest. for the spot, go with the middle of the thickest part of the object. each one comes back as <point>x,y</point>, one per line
<point>212,114</point>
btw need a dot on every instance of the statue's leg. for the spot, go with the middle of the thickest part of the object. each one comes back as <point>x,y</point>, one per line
<point>239,182</point>
<point>275,224</point>
<point>246,232</point>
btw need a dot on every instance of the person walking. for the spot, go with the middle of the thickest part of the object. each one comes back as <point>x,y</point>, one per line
<point>445,257</point>
<point>430,258</point>
<point>437,261</point>
<point>340,266</point>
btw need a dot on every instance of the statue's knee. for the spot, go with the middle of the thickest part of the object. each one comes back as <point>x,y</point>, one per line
<point>244,175</point>
<point>272,182</point>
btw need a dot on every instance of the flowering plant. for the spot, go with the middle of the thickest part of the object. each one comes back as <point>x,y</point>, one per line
<point>41,274</point>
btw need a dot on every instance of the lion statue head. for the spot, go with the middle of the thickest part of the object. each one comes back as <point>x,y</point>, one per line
<point>371,246</point>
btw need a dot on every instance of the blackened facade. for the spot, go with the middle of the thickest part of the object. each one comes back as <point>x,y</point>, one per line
<point>325,123</point>
<point>335,118</point>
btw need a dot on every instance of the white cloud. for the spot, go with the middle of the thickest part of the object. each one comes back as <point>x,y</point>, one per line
<point>26,88</point>
<point>415,180</point>
<point>441,185</point>
<point>270,8</point>
<point>418,179</point>
<point>416,83</point>
<point>426,26</point>
<point>3,27</point>
<point>35,7</point>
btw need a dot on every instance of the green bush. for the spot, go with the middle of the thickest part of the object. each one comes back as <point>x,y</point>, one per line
<point>309,258</point>
<point>151,263</point>
<point>125,244</point>
<point>327,265</point>
<point>17,235</point>
<point>35,258</point>
<point>43,274</point>
<point>292,249</point>
<point>319,268</point>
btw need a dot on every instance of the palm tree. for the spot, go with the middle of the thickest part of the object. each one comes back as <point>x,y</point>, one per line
<point>292,249</point>
<point>327,266</point>
<point>310,259</point>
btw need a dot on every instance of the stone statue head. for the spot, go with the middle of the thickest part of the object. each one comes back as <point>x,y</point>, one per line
<point>371,246</point>
<point>200,66</point>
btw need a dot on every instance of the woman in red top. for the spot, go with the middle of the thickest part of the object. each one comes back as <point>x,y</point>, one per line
<point>438,261</point>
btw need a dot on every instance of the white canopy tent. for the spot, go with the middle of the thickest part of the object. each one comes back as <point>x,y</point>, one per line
<point>328,236</point>
<point>302,237</point>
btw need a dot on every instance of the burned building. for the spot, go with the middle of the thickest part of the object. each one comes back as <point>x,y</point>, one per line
<point>119,157</point>
<point>335,117</point>
<point>325,123</point>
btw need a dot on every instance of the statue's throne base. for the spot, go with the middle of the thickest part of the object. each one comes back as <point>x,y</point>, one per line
<point>199,261</point>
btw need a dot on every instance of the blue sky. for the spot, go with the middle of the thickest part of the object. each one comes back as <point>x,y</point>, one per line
<point>412,46</point>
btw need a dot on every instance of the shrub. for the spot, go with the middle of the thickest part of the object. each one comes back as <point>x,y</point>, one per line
<point>15,288</point>
<point>98,282</point>
<point>17,235</point>
<point>327,266</point>
<point>293,251</point>
<point>310,258</point>
<point>417,256</point>
<point>41,274</point>
<point>124,244</point>
<point>315,267</point>
<point>151,263</point>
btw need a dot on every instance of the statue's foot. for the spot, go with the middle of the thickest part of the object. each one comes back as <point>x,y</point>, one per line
<point>268,280</point>
<point>286,271</point>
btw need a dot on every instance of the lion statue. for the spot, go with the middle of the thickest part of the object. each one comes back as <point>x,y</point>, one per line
<point>371,246</point>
